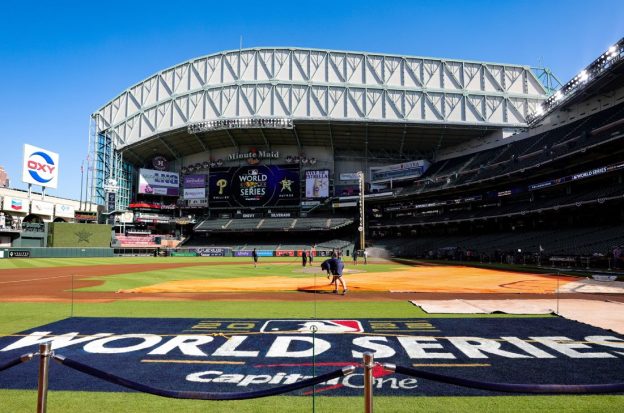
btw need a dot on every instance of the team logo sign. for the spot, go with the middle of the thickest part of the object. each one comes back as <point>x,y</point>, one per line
<point>238,355</point>
<point>40,167</point>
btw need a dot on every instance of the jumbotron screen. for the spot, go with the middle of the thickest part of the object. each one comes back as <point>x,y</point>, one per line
<point>254,186</point>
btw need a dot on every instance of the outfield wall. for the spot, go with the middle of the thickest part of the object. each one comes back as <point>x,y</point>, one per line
<point>16,253</point>
<point>62,234</point>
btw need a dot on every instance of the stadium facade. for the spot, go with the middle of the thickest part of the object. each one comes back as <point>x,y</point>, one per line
<point>345,111</point>
<point>455,154</point>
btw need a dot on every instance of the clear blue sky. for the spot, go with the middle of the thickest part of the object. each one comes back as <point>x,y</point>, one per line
<point>61,60</point>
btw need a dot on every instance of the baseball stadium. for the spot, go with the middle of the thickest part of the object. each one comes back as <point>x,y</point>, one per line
<point>286,229</point>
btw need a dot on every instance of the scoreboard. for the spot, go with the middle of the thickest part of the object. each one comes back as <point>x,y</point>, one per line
<point>254,186</point>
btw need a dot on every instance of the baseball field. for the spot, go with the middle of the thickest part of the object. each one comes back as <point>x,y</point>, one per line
<point>221,325</point>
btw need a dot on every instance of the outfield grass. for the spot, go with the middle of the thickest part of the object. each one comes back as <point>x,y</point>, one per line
<point>68,262</point>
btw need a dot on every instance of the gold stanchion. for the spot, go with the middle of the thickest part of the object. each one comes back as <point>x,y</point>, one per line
<point>42,383</point>
<point>368,382</point>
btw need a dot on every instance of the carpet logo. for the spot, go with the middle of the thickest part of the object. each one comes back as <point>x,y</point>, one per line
<point>233,355</point>
<point>317,326</point>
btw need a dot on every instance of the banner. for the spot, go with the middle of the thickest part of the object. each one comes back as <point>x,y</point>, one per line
<point>64,211</point>
<point>40,167</point>
<point>349,176</point>
<point>194,193</point>
<point>19,254</point>
<point>194,181</point>
<point>247,253</point>
<point>15,204</point>
<point>85,216</point>
<point>231,355</point>
<point>398,172</point>
<point>212,252</point>
<point>42,208</point>
<point>254,186</point>
<point>197,203</point>
<point>317,184</point>
<point>154,182</point>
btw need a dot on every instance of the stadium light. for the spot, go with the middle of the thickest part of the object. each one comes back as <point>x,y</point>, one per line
<point>539,110</point>
<point>583,76</point>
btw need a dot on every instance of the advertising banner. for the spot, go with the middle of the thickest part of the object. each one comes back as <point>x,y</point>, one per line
<point>41,208</point>
<point>195,181</point>
<point>244,253</point>
<point>254,186</point>
<point>284,253</point>
<point>400,171</point>
<point>349,176</point>
<point>64,211</point>
<point>13,204</point>
<point>197,203</point>
<point>280,215</point>
<point>247,253</point>
<point>86,216</point>
<point>40,167</point>
<point>19,254</point>
<point>317,184</point>
<point>212,252</point>
<point>194,193</point>
<point>259,354</point>
<point>154,182</point>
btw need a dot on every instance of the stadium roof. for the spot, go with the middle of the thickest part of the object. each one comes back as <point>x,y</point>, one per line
<point>420,98</point>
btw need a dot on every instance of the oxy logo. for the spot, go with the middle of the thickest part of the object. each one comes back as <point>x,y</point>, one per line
<point>41,167</point>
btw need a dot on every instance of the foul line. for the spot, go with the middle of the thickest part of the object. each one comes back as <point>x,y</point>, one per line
<point>192,361</point>
<point>35,279</point>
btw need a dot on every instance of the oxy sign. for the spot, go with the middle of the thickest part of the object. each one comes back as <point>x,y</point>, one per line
<point>40,167</point>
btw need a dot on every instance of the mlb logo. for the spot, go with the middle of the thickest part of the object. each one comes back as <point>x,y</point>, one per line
<point>313,326</point>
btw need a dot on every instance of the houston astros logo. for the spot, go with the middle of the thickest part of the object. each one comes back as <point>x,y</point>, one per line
<point>41,167</point>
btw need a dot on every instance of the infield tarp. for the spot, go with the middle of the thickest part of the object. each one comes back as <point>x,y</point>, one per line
<point>237,355</point>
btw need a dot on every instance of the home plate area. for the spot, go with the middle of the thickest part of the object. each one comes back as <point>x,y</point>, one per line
<point>242,355</point>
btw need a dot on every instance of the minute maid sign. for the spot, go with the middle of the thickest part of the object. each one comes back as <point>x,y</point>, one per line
<point>40,167</point>
<point>235,355</point>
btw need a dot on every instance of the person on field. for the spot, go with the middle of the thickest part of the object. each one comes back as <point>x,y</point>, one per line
<point>326,266</point>
<point>354,255</point>
<point>365,257</point>
<point>254,255</point>
<point>310,255</point>
<point>337,267</point>
<point>304,258</point>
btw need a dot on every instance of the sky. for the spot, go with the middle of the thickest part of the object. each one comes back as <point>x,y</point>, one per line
<point>60,61</point>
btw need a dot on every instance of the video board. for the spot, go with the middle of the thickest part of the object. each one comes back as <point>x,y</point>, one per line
<point>154,182</point>
<point>317,184</point>
<point>254,186</point>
